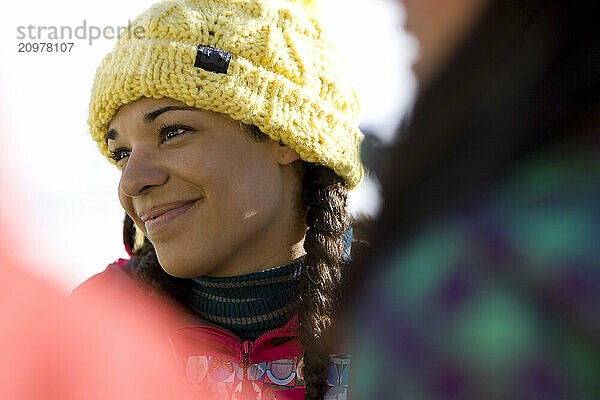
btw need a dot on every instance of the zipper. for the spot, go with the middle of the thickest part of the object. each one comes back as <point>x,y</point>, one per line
<point>246,349</point>
<point>247,386</point>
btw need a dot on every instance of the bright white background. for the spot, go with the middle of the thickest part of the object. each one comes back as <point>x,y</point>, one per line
<point>59,194</point>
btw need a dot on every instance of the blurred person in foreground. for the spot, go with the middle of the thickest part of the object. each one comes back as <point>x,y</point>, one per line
<point>483,280</point>
<point>89,348</point>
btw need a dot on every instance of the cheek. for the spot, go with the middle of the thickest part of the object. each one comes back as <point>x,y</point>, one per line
<point>127,205</point>
<point>255,183</point>
<point>244,200</point>
<point>233,173</point>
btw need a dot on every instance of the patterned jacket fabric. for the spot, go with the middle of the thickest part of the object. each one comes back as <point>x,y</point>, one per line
<point>496,299</point>
<point>218,364</point>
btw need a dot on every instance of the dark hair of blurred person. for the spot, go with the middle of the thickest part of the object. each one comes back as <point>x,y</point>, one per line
<point>527,76</point>
<point>484,276</point>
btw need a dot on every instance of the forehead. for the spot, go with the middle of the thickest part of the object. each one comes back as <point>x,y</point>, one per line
<point>137,109</point>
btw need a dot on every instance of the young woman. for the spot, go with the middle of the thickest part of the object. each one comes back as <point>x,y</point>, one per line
<point>238,141</point>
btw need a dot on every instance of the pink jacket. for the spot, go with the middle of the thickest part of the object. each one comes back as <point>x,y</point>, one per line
<point>217,362</point>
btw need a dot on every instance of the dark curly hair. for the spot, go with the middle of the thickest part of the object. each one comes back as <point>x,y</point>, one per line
<point>324,196</point>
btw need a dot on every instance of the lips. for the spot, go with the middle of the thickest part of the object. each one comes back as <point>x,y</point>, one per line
<point>157,218</point>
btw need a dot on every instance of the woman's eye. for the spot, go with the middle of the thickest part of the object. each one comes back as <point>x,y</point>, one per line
<point>118,154</point>
<point>171,132</point>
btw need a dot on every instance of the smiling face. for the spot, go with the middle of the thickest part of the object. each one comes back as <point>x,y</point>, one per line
<point>211,200</point>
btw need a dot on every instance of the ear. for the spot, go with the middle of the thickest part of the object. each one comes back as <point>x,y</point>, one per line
<point>285,154</point>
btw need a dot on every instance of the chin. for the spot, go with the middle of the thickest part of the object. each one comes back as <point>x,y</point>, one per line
<point>179,267</point>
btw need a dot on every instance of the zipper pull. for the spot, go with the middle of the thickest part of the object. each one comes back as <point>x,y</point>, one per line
<point>245,364</point>
<point>246,347</point>
<point>247,386</point>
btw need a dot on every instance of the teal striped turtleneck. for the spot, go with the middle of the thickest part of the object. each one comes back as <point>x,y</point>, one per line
<point>248,305</point>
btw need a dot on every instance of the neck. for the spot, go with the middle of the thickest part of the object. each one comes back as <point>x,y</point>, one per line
<point>282,256</point>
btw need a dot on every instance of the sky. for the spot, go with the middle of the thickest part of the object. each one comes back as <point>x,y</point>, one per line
<point>58,192</point>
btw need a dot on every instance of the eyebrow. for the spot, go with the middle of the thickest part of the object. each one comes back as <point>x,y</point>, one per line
<point>152,115</point>
<point>148,118</point>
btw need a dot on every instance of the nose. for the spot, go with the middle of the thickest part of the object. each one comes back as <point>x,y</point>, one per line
<point>141,173</point>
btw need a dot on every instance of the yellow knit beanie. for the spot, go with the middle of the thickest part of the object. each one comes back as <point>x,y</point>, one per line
<point>262,62</point>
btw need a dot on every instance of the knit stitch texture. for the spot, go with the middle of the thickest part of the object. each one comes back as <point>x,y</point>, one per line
<point>283,77</point>
<point>248,305</point>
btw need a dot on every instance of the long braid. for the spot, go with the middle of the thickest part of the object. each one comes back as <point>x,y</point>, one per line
<point>327,219</point>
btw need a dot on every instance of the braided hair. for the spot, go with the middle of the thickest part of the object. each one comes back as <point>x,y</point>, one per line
<point>324,199</point>
<point>322,274</point>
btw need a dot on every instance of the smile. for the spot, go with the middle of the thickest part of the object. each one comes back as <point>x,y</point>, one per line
<point>157,218</point>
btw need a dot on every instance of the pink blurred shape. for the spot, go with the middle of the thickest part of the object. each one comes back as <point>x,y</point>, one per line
<point>87,347</point>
